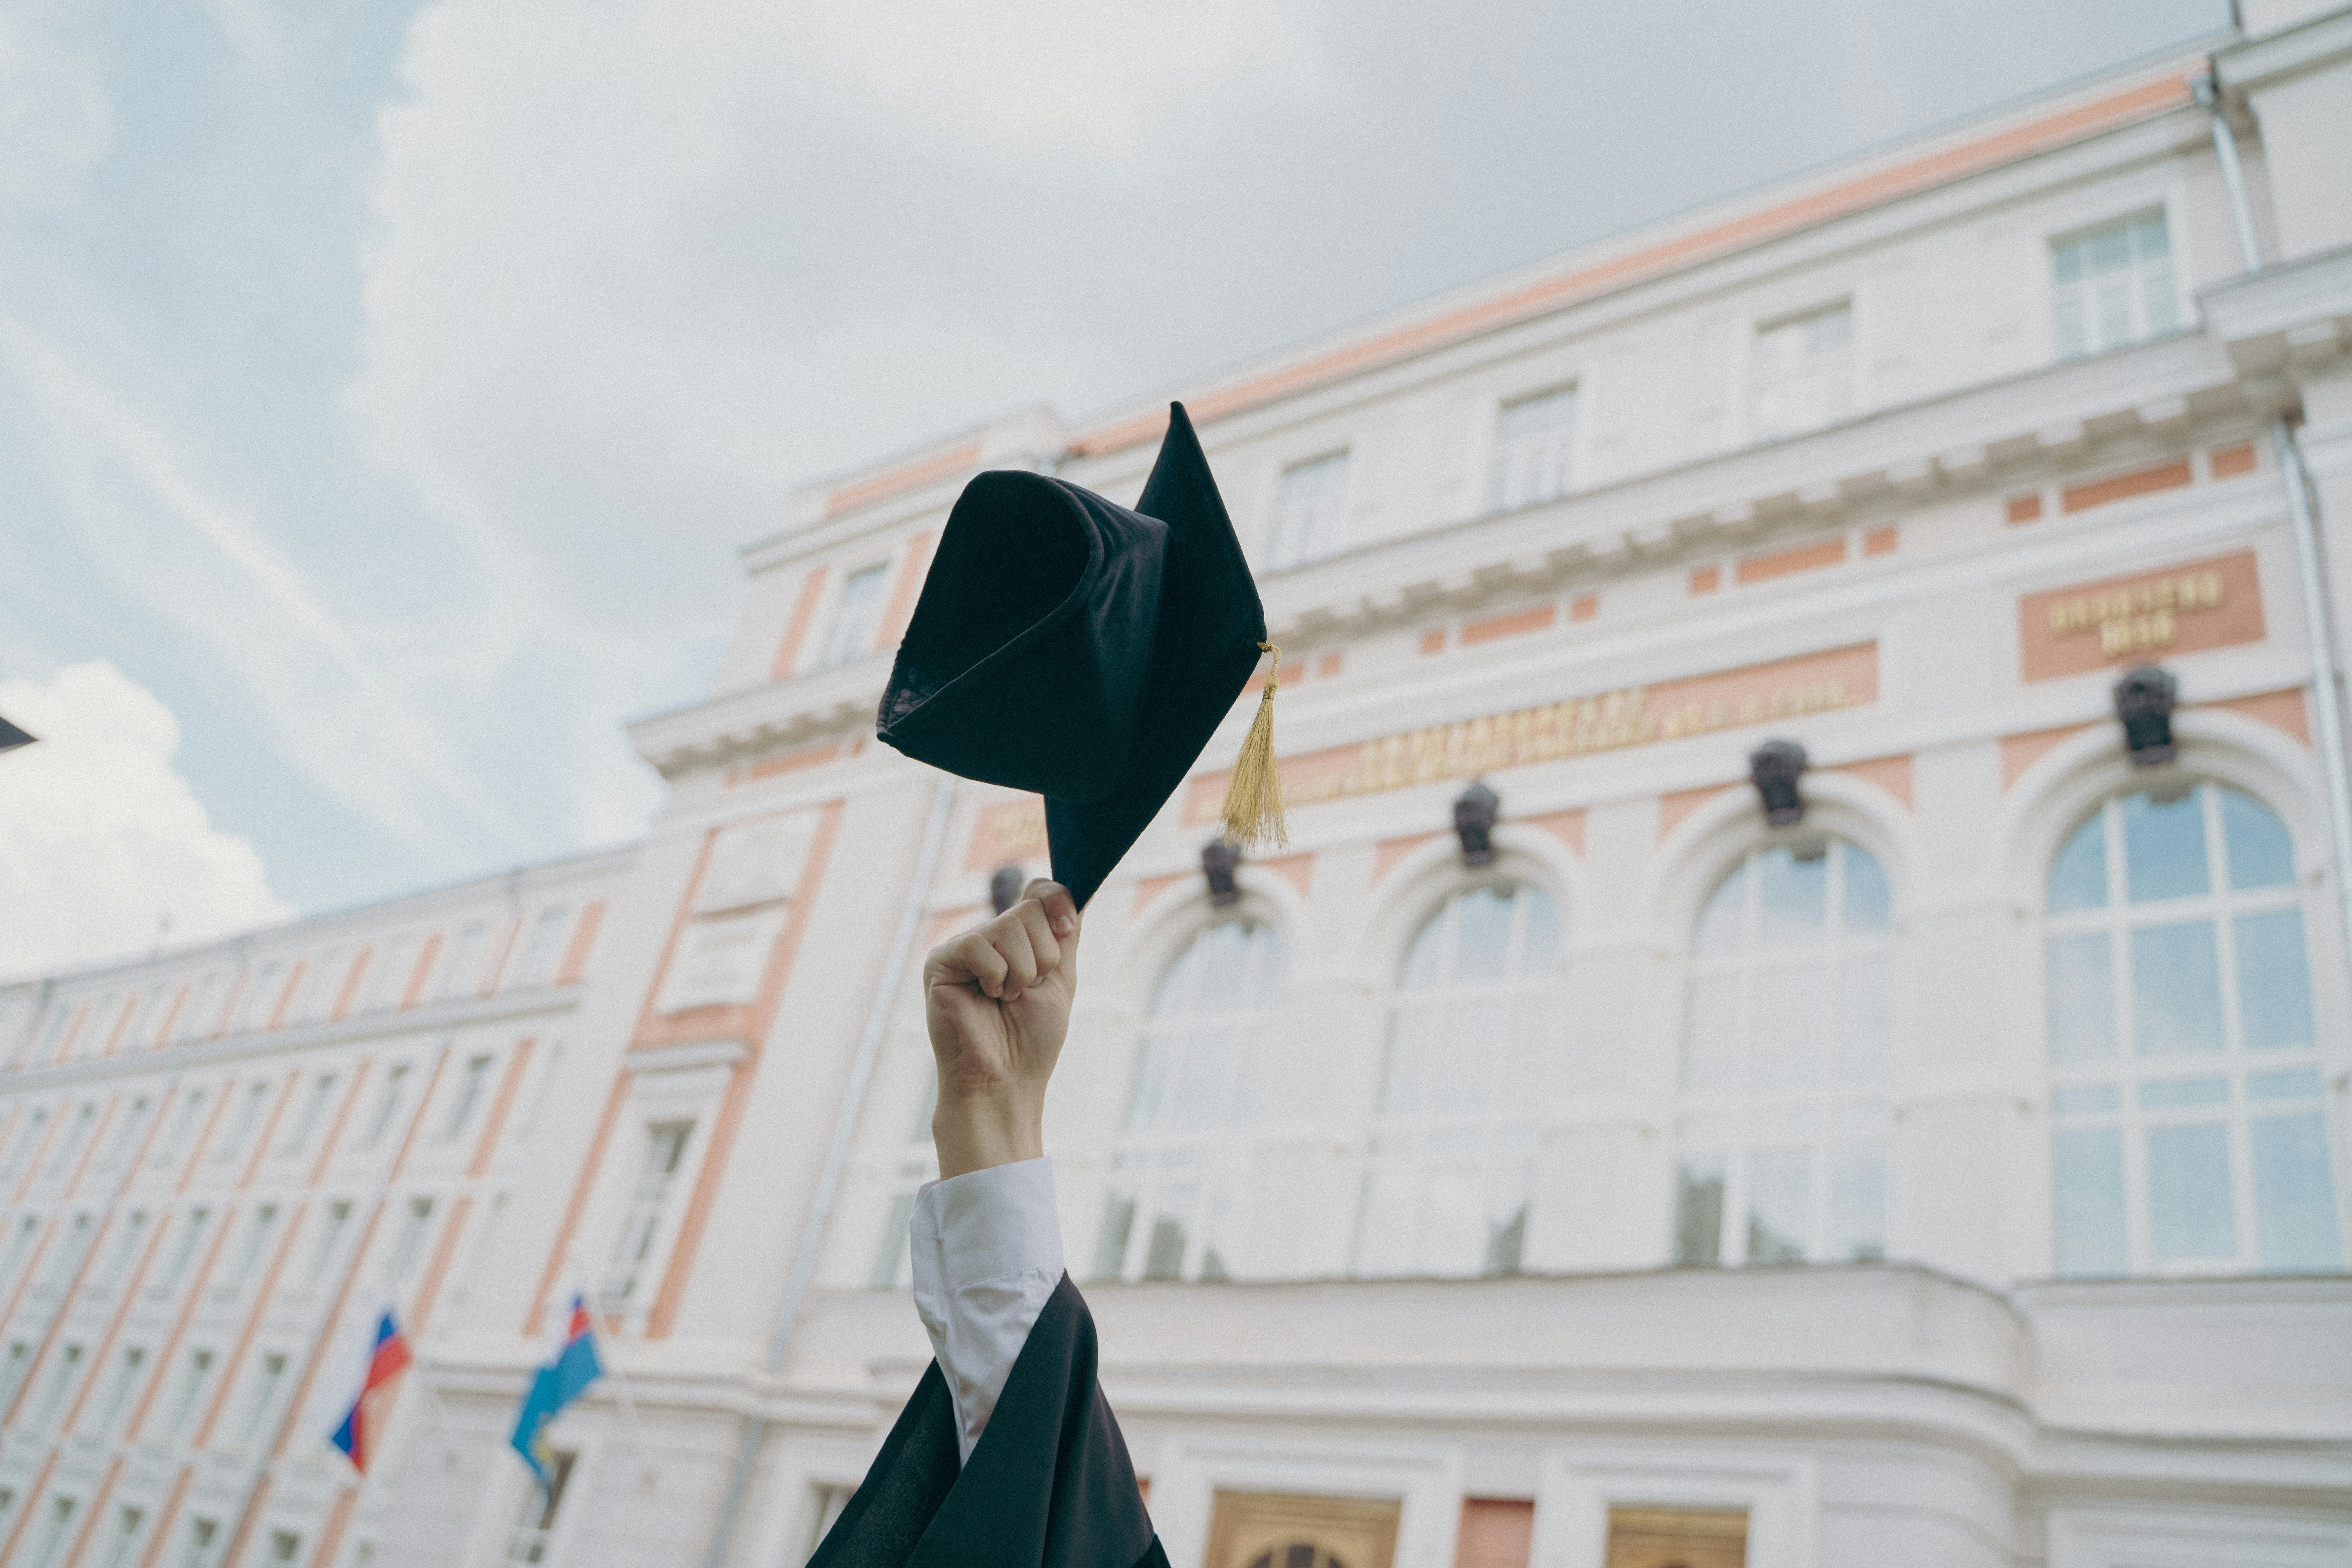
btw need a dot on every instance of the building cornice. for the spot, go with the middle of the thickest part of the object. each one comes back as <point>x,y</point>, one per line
<point>436,1017</point>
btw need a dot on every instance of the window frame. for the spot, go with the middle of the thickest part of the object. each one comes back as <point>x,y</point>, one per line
<point>2167,206</point>
<point>1504,1135</point>
<point>1283,551</point>
<point>2129,1073</point>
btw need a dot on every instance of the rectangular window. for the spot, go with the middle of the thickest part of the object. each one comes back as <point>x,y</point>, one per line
<point>195,1373</point>
<point>331,1226</point>
<point>314,1111</point>
<point>387,1105</point>
<point>202,1549</point>
<point>649,1206</point>
<point>122,1542</point>
<point>261,997</point>
<point>388,976</point>
<point>2112,285</point>
<point>464,1098</point>
<point>125,1250</point>
<point>183,1253</point>
<point>183,1128</point>
<point>285,1546</point>
<point>246,1118</point>
<point>72,1248</point>
<point>28,1138</point>
<point>462,974</point>
<point>69,1147</point>
<point>535,1527</point>
<point>13,1367</point>
<point>48,1545</point>
<point>125,1382</point>
<point>1310,518</point>
<point>857,617</point>
<point>260,1399</point>
<point>543,949</point>
<point>203,1010</point>
<point>417,1221</point>
<point>1531,448</point>
<point>62,1373</point>
<point>125,1137</point>
<point>257,1231</point>
<point>1802,373</point>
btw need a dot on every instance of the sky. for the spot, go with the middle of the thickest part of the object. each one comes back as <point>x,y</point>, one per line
<point>386,387</point>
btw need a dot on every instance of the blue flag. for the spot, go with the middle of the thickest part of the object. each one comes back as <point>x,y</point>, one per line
<point>555,1385</point>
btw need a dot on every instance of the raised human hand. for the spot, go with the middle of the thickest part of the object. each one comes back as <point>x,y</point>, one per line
<point>997,1000</point>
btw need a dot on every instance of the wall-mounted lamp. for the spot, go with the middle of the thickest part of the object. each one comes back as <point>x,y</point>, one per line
<point>1220,858</point>
<point>2144,699</point>
<point>1474,823</point>
<point>1004,886</point>
<point>1775,767</point>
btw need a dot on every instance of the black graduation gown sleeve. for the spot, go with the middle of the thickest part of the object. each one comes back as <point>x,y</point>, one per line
<point>1049,1484</point>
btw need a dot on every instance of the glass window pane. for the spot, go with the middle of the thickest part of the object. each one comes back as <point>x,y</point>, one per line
<point>2295,1196</point>
<point>2159,299</point>
<point>2273,988</point>
<point>1698,1210</point>
<point>2286,1083</point>
<point>2087,1173</point>
<point>2068,334</point>
<point>2168,1093</point>
<point>1867,900</point>
<point>1787,1020</point>
<point>1718,926</point>
<point>1795,895</point>
<point>2261,854</point>
<point>1482,935</point>
<point>1423,959</point>
<point>1779,1197</point>
<point>1164,1260</point>
<point>1540,945</point>
<point>2066,262</point>
<point>2149,239</point>
<point>1111,1245</point>
<point>2078,878</point>
<point>2175,989</point>
<point>1857,1206</point>
<point>2164,846</point>
<point>1711,1034</point>
<point>2188,1209</point>
<point>1868,1024</point>
<point>2110,248</point>
<point>2082,998</point>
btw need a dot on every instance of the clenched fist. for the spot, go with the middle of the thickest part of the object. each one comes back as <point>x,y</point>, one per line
<point>997,1001</point>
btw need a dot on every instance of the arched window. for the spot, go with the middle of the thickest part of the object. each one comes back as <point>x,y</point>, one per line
<point>2187,1130</point>
<point>1453,1149</point>
<point>1788,1024</point>
<point>1182,1160</point>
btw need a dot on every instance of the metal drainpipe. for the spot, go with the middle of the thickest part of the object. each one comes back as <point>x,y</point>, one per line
<point>836,1156</point>
<point>2303,517</point>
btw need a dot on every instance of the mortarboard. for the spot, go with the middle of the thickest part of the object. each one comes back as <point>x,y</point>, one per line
<point>1086,651</point>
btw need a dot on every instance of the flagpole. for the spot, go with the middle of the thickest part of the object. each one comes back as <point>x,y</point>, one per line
<point>620,1379</point>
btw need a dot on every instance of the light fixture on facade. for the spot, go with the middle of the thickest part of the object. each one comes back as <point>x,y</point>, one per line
<point>1220,858</point>
<point>1775,767</point>
<point>1474,823</point>
<point>2144,699</point>
<point>1004,887</point>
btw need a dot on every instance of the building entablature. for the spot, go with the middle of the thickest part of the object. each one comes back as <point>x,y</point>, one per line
<point>359,1029</point>
<point>828,706</point>
<point>2285,319</point>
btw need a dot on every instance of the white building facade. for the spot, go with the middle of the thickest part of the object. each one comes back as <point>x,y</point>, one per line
<point>1957,1174</point>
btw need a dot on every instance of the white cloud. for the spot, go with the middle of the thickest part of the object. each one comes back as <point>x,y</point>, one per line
<point>54,118</point>
<point>100,835</point>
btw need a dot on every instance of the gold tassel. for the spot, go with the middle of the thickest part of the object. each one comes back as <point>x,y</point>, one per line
<point>1253,811</point>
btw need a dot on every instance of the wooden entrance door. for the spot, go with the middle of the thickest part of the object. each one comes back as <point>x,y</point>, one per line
<point>1677,1538</point>
<point>1270,1529</point>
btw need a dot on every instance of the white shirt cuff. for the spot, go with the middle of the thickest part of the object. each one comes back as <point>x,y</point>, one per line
<point>987,1251</point>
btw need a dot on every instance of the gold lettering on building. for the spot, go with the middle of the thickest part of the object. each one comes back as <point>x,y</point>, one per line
<point>2138,618</point>
<point>1575,727</point>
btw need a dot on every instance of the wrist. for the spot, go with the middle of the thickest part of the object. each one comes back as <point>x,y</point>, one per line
<point>975,1131</point>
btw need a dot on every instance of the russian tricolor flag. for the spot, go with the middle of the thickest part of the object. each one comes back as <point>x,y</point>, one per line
<point>362,1423</point>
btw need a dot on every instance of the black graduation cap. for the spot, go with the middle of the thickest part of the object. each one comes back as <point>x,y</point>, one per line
<point>11,737</point>
<point>1075,648</point>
